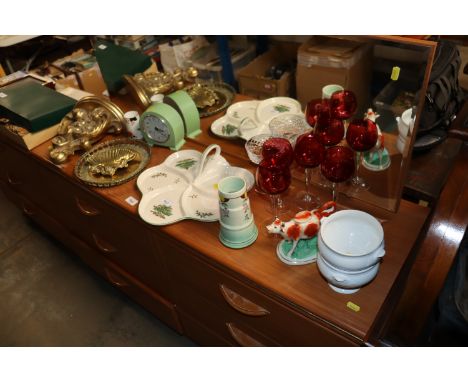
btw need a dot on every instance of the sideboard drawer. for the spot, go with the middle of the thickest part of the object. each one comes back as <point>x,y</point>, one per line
<point>242,304</point>
<point>159,306</point>
<point>200,333</point>
<point>162,308</point>
<point>109,231</point>
<point>224,321</point>
<point>120,239</point>
<point>20,172</point>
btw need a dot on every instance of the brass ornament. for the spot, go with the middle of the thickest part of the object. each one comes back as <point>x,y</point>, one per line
<point>113,162</point>
<point>91,118</point>
<point>211,98</point>
<point>203,96</point>
<point>108,162</point>
<point>142,86</point>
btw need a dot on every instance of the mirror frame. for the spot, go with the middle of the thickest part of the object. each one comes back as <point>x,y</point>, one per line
<point>431,45</point>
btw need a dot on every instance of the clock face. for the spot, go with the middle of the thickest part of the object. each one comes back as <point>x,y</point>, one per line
<point>156,128</point>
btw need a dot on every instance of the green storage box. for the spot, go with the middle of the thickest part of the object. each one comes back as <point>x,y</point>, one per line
<point>28,104</point>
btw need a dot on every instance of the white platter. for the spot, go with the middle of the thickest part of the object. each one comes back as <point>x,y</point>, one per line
<point>271,107</point>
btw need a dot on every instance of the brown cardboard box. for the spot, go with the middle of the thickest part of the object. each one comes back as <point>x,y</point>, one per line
<point>324,60</point>
<point>90,79</point>
<point>252,78</point>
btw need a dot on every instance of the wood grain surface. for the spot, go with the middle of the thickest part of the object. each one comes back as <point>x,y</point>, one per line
<point>301,287</point>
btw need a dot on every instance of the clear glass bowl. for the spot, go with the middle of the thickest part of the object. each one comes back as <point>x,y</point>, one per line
<point>289,126</point>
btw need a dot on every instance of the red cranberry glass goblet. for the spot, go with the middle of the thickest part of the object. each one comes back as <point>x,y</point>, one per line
<point>337,166</point>
<point>343,104</point>
<point>331,132</point>
<point>317,110</point>
<point>361,136</point>
<point>309,153</point>
<point>278,152</point>
<point>274,180</point>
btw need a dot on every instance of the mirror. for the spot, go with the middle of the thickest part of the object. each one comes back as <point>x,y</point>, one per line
<point>400,69</point>
<point>393,82</point>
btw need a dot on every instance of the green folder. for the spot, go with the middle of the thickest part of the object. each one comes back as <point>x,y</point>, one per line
<point>115,61</point>
<point>28,104</point>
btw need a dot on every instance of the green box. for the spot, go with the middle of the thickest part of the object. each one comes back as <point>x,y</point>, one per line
<point>28,104</point>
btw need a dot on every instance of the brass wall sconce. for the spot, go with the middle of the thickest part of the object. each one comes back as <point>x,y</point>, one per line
<point>142,86</point>
<point>86,124</point>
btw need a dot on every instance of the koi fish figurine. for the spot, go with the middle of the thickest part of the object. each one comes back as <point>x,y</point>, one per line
<point>304,225</point>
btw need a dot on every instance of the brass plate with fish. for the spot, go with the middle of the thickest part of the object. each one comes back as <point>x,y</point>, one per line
<point>113,162</point>
<point>211,98</point>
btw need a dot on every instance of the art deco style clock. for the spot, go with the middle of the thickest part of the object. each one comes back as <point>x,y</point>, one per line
<point>186,107</point>
<point>162,125</point>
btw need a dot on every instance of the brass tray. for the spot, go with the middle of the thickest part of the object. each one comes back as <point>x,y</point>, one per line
<point>225,95</point>
<point>113,162</point>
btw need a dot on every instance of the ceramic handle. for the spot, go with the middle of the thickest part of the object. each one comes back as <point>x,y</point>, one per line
<point>380,253</point>
<point>114,279</point>
<point>103,246</point>
<point>241,337</point>
<point>241,304</point>
<point>339,279</point>
<point>12,181</point>
<point>86,209</point>
<point>204,157</point>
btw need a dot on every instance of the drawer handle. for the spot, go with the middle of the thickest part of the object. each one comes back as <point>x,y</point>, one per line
<point>115,279</point>
<point>241,304</point>
<point>103,246</point>
<point>86,209</point>
<point>27,210</point>
<point>12,181</point>
<point>241,337</point>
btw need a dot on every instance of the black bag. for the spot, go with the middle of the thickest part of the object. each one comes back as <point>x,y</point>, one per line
<point>444,96</point>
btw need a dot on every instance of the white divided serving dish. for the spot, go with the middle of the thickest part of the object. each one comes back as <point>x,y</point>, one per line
<point>246,119</point>
<point>184,186</point>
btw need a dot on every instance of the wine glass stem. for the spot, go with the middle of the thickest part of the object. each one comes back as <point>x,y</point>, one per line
<point>334,191</point>
<point>308,175</point>
<point>358,163</point>
<point>275,201</point>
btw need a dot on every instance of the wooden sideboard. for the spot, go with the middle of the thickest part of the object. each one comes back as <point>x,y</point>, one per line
<point>187,278</point>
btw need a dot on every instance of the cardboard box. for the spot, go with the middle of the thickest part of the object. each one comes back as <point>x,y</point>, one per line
<point>208,63</point>
<point>324,60</point>
<point>86,75</point>
<point>254,80</point>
